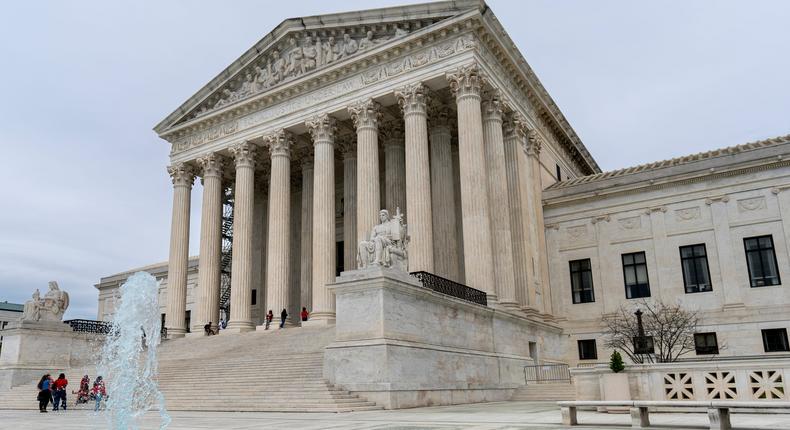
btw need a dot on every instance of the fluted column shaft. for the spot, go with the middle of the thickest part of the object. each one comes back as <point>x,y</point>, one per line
<point>322,129</point>
<point>413,100</point>
<point>445,251</point>
<point>241,265</point>
<point>349,208</point>
<point>366,116</point>
<point>395,168</point>
<point>279,237</point>
<point>183,176</point>
<point>498,200</point>
<point>306,267</point>
<point>459,226</point>
<point>478,258</point>
<point>533,147</point>
<point>207,301</point>
<point>515,134</point>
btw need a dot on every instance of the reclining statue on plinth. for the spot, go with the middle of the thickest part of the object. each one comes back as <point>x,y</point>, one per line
<point>387,244</point>
<point>50,308</point>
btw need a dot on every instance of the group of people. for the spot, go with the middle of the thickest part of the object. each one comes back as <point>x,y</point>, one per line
<point>209,330</point>
<point>54,391</point>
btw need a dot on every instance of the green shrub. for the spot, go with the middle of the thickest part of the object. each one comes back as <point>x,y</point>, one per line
<point>616,362</point>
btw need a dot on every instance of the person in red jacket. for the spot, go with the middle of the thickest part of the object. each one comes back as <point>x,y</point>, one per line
<point>59,392</point>
<point>304,314</point>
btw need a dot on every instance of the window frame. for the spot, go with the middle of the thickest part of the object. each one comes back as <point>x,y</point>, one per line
<point>782,330</point>
<point>579,343</point>
<point>762,263</point>
<point>697,348</point>
<point>581,290</point>
<point>693,258</point>
<point>649,342</point>
<point>634,265</point>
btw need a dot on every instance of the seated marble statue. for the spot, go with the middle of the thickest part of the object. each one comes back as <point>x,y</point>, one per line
<point>387,244</point>
<point>50,308</point>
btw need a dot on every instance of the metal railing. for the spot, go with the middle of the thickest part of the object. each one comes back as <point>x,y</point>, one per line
<point>90,326</point>
<point>547,373</point>
<point>451,288</point>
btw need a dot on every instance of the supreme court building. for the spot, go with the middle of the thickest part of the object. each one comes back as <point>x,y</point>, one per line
<point>429,110</point>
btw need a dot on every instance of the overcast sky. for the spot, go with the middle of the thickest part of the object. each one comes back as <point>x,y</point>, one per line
<point>83,184</point>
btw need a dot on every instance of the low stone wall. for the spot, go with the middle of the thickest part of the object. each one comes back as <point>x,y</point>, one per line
<point>31,349</point>
<point>403,346</point>
<point>748,379</point>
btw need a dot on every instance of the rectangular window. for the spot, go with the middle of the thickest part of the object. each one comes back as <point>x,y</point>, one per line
<point>645,346</point>
<point>705,343</point>
<point>559,173</point>
<point>635,275</point>
<point>581,281</point>
<point>254,300</point>
<point>587,349</point>
<point>188,319</point>
<point>694,261</point>
<point>775,340</point>
<point>761,259</point>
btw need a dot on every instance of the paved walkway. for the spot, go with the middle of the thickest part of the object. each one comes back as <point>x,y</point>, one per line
<point>487,416</point>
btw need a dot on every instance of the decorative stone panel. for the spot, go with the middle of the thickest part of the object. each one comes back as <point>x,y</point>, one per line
<point>678,386</point>
<point>721,386</point>
<point>767,385</point>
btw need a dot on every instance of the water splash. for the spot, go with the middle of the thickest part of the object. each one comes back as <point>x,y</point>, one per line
<point>128,362</point>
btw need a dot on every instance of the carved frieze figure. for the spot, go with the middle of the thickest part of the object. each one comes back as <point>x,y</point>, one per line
<point>328,51</point>
<point>366,42</point>
<point>278,67</point>
<point>261,78</point>
<point>350,45</point>
<point>50,308</point>
<point>387,244</point>
<point>247,87</point>
<point>309,54</point>
<point>294,67</point>
<point>400,32</point>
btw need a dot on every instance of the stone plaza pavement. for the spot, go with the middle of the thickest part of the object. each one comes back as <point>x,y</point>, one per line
<point>485,416</point>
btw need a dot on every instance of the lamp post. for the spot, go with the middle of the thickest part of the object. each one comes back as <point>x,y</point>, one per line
<point>640,344</point>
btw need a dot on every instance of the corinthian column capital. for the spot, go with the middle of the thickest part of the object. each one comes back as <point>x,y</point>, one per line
<point>182,174</point>
<point>515,127</point>
<point>212,165</point>
<point>244,154</point>
<point>492,105</point>
<point>322,128</point>
<point>466,81</point>
<point>533,144</point>
<point>365,114</point>
<point>392,133</point>
<point>347,146</point>
<point>441,117</point>
<point>280,143</point>
<point>413,99</point>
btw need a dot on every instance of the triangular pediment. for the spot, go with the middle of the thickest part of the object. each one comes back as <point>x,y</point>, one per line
<point>299,47</point>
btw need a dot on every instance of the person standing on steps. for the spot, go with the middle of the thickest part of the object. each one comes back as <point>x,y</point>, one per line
<point>283,316</point>
<point>43,393</point>
<point>99,391</point>
<point>269,318</point>
<point>59,395</point>
<point>304,314</point>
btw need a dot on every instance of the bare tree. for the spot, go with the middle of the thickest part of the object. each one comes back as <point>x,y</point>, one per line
<point>670,327</point>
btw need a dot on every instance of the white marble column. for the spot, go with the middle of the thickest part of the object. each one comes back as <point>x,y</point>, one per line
<point>413,100</point>
<point>349,206</point>
<point>207,300</point>
<point>515,134</point>
<point>279,239</point>
<point>534,144</point>
<point>394,167</point>
<point>183,176</point>
<point>498,200</point>
<point>445,251</point>
<point>466,84</point>
<point>366,116</point>
<point>322,129</point>
<point>459,226</point>
<point>306,268</point>
<point>241,266</point>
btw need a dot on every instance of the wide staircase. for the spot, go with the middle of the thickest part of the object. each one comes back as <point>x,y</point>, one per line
<point>274,370</point>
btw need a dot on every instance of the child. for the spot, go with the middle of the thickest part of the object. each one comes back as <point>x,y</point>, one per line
<point>98,391</point>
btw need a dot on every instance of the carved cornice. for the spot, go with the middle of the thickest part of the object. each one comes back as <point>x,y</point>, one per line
<point>244,154</point>
<point>182,174</point>
<point>492,105</point>
<point>280,143</point>
<point>366,114</point>
<point>413,99</point>
<point>212,165</point>
<point>600,218</point>
<point>322,128</point>
<point>716,199</point>
<point>466,81</point>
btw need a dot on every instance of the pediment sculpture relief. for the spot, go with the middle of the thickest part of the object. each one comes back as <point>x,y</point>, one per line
<point>299,57</point>
<point>49,308</point>
<point>387,244</point>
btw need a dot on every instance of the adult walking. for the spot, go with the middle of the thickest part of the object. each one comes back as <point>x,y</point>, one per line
<point>44,394</point>
<point>99,391</point>
<point>59,392</point>
<point>283,316</point>
<point>269,318</point>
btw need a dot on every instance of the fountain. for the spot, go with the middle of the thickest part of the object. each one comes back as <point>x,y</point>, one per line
<point>128,360</point>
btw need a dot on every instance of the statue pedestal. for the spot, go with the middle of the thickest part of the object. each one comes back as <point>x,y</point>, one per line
<point>402,345</point>
<point>32,348</point>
